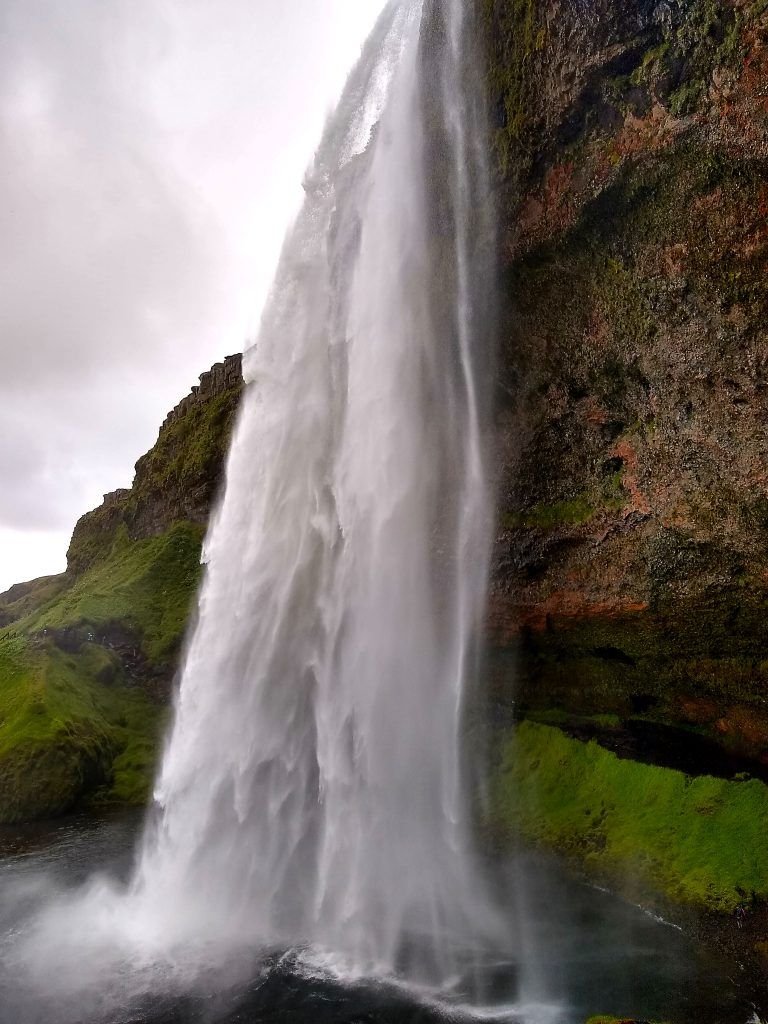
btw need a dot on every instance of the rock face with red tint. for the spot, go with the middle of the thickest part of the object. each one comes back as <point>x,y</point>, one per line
<point>631,561</point>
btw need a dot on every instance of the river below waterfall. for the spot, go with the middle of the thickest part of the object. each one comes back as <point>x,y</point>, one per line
<point>599,954</point>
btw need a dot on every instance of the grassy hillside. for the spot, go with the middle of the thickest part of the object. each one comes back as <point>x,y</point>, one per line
<point>87,658</point>
<point>66,733</point>
<point>76,717</point>
<point>698,841</point>
<point>144,586</point>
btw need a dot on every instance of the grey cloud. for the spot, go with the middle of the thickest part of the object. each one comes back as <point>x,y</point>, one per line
<point>107,256</point>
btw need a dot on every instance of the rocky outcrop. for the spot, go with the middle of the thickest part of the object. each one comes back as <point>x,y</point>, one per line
<point>177,480</point>
<point>221,378</point>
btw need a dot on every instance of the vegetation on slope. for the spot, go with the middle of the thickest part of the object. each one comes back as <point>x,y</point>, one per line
<point>86,658</point>
<point>64,733</point>
<point>23,598</point>
<point>144,585</point>
<point>699,841</point>
<point>74,718</point>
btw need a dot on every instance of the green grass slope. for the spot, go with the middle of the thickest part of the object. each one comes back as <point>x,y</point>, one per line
<point>65,734</point>
<point>76,720</point>
<point>144,585</point>
<point>87,658</point>
<point>698,841</point>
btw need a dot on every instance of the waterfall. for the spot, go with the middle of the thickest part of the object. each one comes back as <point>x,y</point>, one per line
<point>311,794</point>
<point>311,789</point>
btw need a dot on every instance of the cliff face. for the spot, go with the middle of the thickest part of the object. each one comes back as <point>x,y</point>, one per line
<point>631,568</point>
<point>630,577</point>
<point>176,481</point>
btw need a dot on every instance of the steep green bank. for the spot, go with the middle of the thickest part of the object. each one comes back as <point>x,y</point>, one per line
<point>83,677</point>
<point>138,593</point>
<point>87,658</point>
<point>698,841</point>
<point>69,727</point>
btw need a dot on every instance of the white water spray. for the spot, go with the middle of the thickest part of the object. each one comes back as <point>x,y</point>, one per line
<point>311,787</point>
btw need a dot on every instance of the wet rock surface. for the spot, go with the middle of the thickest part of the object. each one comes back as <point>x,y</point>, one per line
<point>631,148</point>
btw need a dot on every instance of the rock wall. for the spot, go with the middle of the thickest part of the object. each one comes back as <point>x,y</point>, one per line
<point>631,562</point>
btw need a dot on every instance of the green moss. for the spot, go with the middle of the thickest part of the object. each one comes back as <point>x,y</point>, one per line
<point>652,63</point>
<point>146,586</point>
<point>518,35</point>
<point>698,841</point>
<point>707,35</point>
<point>61,728</point>
<point>573,512</point>
<point>132,771</point>
<point>685,99</point>
<point>191,447</point>
<point>614,496</point>
<point>576,511</point>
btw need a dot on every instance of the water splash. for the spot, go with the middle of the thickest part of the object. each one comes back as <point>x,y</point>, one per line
<point>311,789</point>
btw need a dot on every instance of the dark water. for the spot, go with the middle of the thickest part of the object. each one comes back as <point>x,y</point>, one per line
<point>579,952</point>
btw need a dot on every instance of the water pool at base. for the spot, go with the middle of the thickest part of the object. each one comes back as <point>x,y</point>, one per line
<point>595,953</point>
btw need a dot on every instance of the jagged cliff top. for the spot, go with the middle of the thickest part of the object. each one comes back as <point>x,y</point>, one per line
<point>221,377</point>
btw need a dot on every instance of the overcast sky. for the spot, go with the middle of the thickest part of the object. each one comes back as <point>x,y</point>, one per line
<point>151,158</point>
